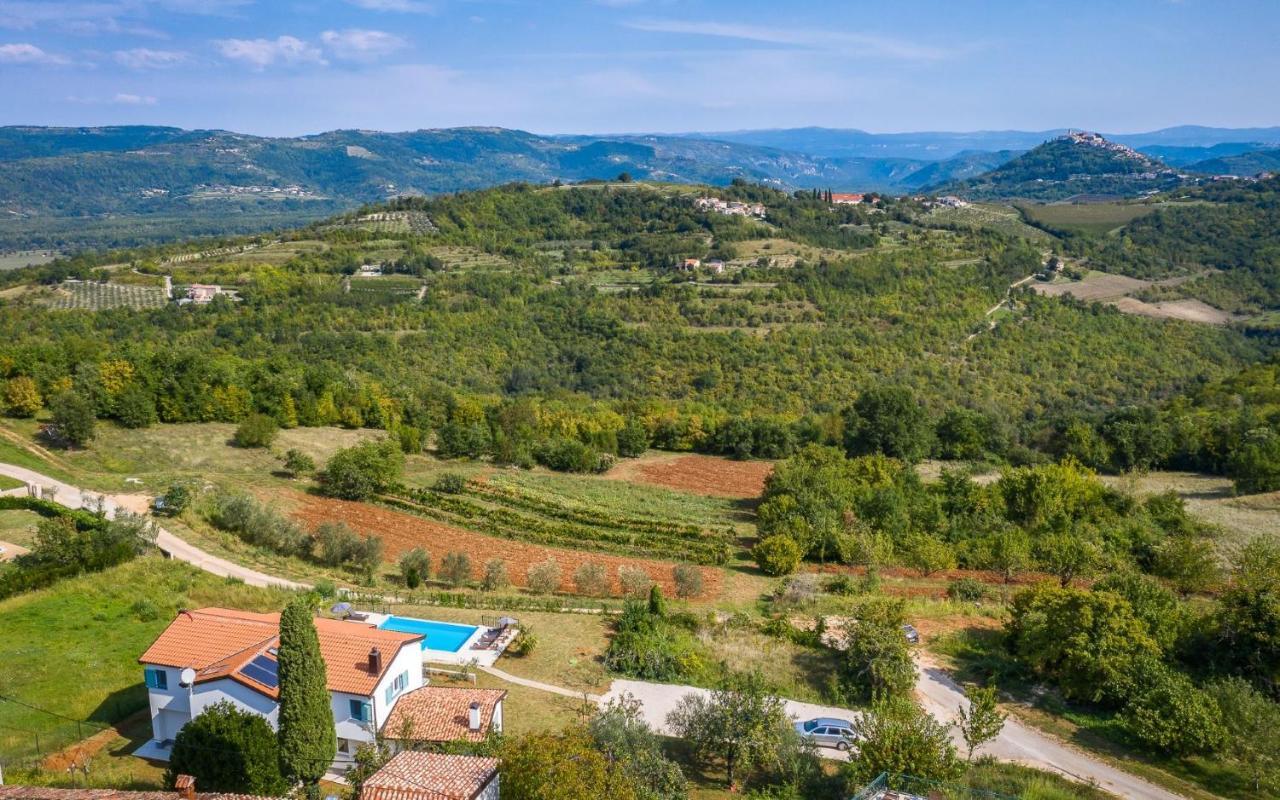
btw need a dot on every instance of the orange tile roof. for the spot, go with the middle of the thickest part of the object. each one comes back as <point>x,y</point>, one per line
<point>430,776</point>
<point>218,642</point>
<point>442,714</point>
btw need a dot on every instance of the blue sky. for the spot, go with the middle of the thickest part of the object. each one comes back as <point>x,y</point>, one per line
<point>286,67</point>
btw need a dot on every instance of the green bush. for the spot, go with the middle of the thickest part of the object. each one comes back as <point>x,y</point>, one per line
<point>456,568</point>
<point>967,590</point>
<point>362,471</point>
<point>544,577</point>
<point>653,648</point>
<point>591,578</point>
<point>635,582</point>
<point>1166,712</point>
<point>256,430</point>
<point>228,750</point>
<point>777,555</point>
<point>688,580</point>
<point>495,575</point>
<point>415,567</point>
<point>450,483</point>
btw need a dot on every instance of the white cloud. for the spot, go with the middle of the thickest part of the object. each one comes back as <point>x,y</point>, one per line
<point>125,99</point>
<point>263,53</point>
<point>25,53</point>
<point>357,44</point>
<point>402,6</point>
<point>847,43</point>
<point>145,58</point>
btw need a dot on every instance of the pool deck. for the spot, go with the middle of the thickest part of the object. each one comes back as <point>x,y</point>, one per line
<point>468,653</point>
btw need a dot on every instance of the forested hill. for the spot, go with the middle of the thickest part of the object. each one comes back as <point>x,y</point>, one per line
<point>508,320</point>
<point>1072,165</point>
<point>75,187</point>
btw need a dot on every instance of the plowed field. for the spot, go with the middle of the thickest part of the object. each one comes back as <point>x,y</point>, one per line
<point>401,532</point>
<point>705,475</point>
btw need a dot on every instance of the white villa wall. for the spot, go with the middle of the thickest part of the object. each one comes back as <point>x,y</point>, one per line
<point>409,660</point>
<point>174,707</point>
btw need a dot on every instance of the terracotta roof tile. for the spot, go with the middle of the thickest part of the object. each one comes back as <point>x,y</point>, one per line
<point>218,642</point>
<point>430,776</point>
<point>441,714</point>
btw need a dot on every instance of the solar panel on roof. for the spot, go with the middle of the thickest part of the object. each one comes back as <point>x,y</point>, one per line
<point>263,670</point>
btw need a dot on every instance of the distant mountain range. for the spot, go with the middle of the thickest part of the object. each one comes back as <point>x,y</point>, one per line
<point>63,187</point>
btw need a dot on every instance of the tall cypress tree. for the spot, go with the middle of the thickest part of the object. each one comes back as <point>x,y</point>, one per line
<point>308,742</point>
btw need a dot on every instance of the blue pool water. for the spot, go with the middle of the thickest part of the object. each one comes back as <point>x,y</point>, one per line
<point>439,635</point>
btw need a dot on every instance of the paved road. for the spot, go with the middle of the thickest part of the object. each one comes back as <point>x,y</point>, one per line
<point>942,697</point>
<point>73,497</point>
<point>937,692</point>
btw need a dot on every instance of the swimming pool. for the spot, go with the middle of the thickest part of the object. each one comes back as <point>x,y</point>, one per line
<point>443,636</point>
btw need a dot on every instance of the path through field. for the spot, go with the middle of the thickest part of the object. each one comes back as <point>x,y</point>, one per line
<point>173,547</point>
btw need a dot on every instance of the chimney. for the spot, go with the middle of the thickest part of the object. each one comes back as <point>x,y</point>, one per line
<point>185,785</point>
<point>473,717</point>
<point>375,661</point>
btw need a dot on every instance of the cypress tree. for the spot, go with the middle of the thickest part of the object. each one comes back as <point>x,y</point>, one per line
<point>308,742</point>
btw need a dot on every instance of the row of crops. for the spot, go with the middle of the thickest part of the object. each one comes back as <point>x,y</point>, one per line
<point>513,514</point>
<point>102,296</point>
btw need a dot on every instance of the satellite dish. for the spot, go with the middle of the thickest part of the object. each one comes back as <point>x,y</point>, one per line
<point>187,676</point>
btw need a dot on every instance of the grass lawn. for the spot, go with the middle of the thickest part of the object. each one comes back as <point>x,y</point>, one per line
<point>18,527</point>
<point>1096,218</point>
<point>10,483</point>
<point>568,652</point>
<point>71,650</point>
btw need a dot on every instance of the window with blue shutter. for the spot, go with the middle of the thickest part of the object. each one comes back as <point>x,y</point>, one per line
<point>360,710</point>
<point>156,678</point>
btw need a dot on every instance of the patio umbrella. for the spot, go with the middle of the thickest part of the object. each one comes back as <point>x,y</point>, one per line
<point>341,608</point>
<point>505,621</point>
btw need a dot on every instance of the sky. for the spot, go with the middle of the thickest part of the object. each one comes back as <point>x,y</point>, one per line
<point>290,67</point>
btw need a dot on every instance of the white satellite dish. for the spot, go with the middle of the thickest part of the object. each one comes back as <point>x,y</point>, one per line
<point>187,676</point>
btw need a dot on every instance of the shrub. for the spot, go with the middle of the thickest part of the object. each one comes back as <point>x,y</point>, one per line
<point>524,644</point>
<point>652,648</point>
<point>175,500</point>
<point>415,567</point>
<point>777,555</point>
<point>360,472</point>
<point>634,581</point>
<point>966,590</point>
<point>876,661</point>
<point>256,430</point>
<point>450,483</point>
<point>569,455</point>
<point>74,420</point>
<point>897,737</point>
<point>456,568</point>
<point>228,750</point>
<point>688,580</point>
<point>495,575</point>
<point>336,543</point>
<point>544,578</point>
<point>840,585</point>
<point>298,463</point>
<point>135,408</point>
<point>592,579</point>
<point>1166,712</point>
<point>22,397</point>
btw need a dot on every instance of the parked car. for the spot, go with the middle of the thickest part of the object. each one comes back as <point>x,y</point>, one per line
<point>827,731</point>
<point>913,635</point>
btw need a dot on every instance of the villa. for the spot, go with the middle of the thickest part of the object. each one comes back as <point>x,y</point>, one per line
<point>215,654</point>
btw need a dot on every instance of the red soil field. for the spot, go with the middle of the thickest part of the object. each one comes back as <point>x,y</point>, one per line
<point>401,532</point>
<point>706,475</point>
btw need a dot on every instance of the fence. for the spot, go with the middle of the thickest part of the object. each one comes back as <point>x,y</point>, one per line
<point>29,735</point>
